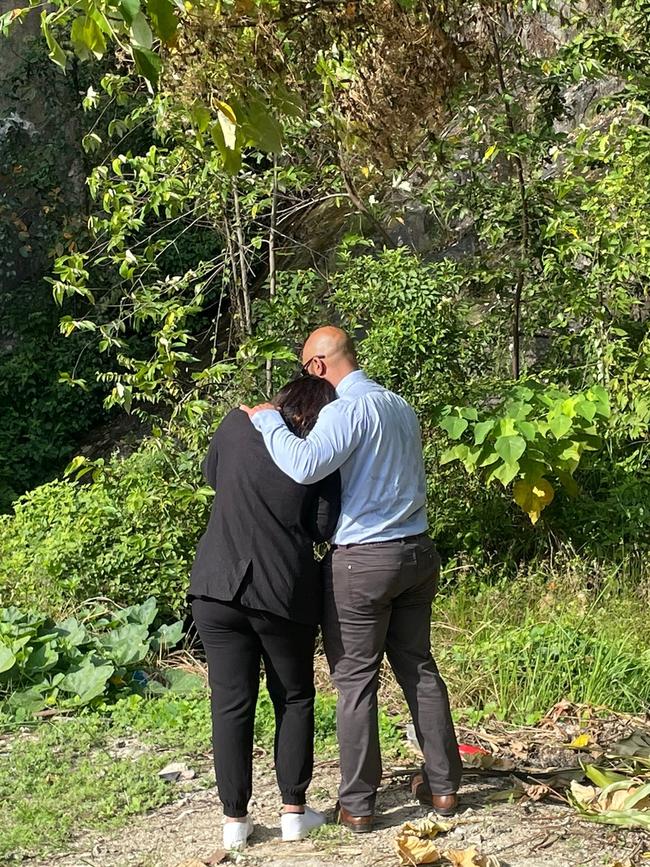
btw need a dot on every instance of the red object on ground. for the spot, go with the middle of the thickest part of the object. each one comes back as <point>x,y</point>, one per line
<point>470,750</point>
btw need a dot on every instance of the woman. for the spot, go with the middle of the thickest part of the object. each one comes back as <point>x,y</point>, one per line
<point>256,594</point>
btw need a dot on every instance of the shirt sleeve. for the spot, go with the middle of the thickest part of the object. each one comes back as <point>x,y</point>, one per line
<point>334,437</point>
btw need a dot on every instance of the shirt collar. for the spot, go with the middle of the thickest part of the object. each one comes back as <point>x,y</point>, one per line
<point>348,381</point>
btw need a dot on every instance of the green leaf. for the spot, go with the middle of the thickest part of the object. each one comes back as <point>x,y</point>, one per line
<point>481,430</point>
<point>599,395</point>
<point>454,426</point>
<point>559,425</point>
<point>141,33</point>
<point>505,473</point>
<point>129,9</point>
<point>42,658</point>
<point>87,37</point>
<point>586,409</point>
<point>88,681</point>
<point>262,128</point>
<point>488,456</point>
<point>200,115</point>
<point>7,658</point>
<point>167,636</point>
<point>527,429</point>
<point>144,614</point>
<point>71,632</point>
<point>163,19</point>
<point>510,448</point>
<point>30,700</point>
<point>127,644</point>
<point>147,63</point>
<point>56,53</point>
<point>470,413</point>
<point>183,682</point>
<point>448,456</point>
<point>601,777</point>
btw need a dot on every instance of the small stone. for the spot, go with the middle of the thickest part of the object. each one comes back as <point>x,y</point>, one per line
<point>176,772</point>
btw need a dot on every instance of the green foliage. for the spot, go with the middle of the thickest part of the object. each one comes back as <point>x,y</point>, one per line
<point>78,661</point>
<point>537,431</point>
<point>410,316</point>
<point>41,418</point>
<point>130,534</point>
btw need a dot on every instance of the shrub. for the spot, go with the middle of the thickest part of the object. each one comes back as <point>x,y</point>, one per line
<point>128,535</point>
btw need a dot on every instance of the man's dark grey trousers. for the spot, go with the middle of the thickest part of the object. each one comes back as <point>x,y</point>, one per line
<point>378,599</point>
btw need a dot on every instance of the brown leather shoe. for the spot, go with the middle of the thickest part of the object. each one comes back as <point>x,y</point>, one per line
<point>356,824</point>
<point>445,805</point>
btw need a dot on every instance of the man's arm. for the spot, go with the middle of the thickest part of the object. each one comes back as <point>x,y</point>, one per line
<point>335,436</point>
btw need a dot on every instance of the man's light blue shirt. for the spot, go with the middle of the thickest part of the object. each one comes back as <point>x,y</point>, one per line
<point>373,437</point>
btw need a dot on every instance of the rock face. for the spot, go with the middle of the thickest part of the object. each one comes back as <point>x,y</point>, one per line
<point>42,172</point>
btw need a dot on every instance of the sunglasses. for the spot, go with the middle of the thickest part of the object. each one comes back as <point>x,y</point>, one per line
<point>304,370</point>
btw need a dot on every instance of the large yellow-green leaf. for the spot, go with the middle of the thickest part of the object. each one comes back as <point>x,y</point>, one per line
<point>231,157</point>
<point>559,425</point>
<point>454,426</point>
<point>87,37</point>
<point>533,496</point>
<point>56,53</point>
<point>510,448</point>
<point>163,19</point>
<point>505,473</point>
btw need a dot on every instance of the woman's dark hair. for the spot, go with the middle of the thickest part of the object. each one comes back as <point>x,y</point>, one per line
<point>301,400</point>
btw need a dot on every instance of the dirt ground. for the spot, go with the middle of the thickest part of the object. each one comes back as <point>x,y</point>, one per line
<point>522,834</point>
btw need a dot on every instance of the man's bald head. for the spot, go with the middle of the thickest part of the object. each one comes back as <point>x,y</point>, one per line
<point>329,353</point>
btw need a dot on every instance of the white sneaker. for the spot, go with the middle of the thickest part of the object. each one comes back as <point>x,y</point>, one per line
<point>236,834</point>
<point>296,826</point>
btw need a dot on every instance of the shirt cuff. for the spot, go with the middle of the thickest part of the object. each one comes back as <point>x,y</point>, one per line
<point>267,420</point>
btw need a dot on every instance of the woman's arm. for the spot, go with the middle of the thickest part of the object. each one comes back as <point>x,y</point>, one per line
<point>209,465</point>
<point>326,508</point>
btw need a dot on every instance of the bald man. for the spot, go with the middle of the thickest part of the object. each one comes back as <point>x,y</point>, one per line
<point>380,576</point>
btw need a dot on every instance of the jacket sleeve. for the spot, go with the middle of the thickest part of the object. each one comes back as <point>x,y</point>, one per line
<point>326,508</point>
<point>209,465</point>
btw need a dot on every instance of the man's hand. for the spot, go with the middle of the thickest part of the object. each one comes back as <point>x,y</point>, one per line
<point>251,410</point>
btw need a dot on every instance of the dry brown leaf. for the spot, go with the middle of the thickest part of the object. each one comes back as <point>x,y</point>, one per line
<point>414,842</point>
<point>584,795</point>
<point>217,857</point>
<point>470,858</point>
<point>616,800</point>
<point>519,749</point>
<point>536,792</point>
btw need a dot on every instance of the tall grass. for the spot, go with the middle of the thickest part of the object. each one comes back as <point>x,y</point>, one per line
<point>517,648</point>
